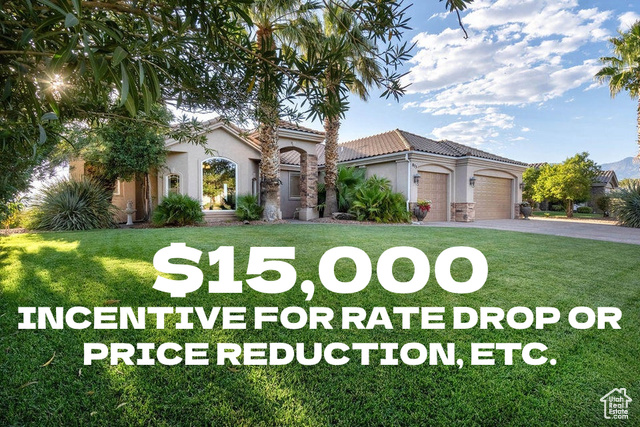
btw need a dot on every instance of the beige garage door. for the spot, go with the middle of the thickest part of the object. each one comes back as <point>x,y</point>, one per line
<point>492,197</point>
<point>433,186</point>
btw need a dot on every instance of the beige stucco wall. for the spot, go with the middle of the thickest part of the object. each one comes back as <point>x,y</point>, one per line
<point>186,161</point>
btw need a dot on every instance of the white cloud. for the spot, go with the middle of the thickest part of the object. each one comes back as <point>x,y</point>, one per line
<point>627,20</point>
<point>525,130</point>
<point>519,52</point>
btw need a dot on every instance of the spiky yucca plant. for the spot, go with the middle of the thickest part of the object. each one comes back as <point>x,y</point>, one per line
<point>625,203</point>
<point>178,209</point>
<point>73,205</point>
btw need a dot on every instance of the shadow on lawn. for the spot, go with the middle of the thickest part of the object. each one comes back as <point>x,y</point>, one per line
<point>70,272</point>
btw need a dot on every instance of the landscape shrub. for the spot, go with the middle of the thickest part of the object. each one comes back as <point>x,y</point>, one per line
<point>178,209</point>
<point>248,208</point>
<point>604,203</point>
<point>72,205</point>
<point>374,200</point>
<point>10,215</point>
<point>625,204</point>
<point>556,208</point>
<point>347,181</point>
<point>584,210</point>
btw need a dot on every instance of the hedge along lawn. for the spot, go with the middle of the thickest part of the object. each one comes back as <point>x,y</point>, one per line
<point>563,214</point>
<point>90,268</point>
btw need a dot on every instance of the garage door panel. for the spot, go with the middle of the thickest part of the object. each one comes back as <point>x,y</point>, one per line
<point>434,186</point>
<point>492,197</point>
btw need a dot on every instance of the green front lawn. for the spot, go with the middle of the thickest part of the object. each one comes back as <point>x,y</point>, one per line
<point>90,268</point>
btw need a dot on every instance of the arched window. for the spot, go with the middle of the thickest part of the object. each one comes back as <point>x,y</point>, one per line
<point>173,184</point>
<point>218,184</point>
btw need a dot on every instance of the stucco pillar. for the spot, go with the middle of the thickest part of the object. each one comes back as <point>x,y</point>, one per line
<point>308,186</point>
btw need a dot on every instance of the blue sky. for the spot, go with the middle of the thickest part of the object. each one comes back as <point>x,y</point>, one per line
<point>521,86</point>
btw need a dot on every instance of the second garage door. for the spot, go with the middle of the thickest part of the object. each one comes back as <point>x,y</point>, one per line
<point>433,186</point>
<point>492,197</point>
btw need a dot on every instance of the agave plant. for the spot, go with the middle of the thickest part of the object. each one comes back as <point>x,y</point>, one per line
<point>625,203</point>
<point>73,205</point>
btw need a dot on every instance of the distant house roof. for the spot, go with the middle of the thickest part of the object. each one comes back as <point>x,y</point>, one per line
<point>607,177</point>
<point>397,141</point>
<point>538,165</point>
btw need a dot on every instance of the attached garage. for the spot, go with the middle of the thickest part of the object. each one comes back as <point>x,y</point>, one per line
<point>492,197</point>
<point>433,186</point>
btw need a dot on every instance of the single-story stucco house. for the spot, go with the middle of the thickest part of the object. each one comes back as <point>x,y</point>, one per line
<point>463,183</point>
<point>604,183</point>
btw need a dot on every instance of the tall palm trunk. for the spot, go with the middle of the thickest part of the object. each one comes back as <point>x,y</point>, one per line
<point>268,117</point>
<point>331,130</point>
<point>270,170</point>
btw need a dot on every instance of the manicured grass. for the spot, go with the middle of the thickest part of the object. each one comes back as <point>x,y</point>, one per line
<point>89,268</point>
<point>563,214</point>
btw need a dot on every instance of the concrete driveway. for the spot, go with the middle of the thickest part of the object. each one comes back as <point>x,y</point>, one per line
<point>568,228</point>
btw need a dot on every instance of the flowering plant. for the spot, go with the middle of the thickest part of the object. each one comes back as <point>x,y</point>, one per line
<point>424,205</point>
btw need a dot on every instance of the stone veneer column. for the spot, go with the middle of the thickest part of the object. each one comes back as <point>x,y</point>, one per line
<point>516,210</point>
<point>463,212</point>
<point>308,186</point>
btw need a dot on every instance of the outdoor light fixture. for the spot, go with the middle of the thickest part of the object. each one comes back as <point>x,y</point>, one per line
<point>522,185</point>
<point>416,178</point>
<point>472,181</point>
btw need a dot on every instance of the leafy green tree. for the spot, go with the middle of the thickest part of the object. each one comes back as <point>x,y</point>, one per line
<point>622,71</point>
<point>529,178</point>
<point>569,181</point>
<point>73,60</point>
<point>124,149</point>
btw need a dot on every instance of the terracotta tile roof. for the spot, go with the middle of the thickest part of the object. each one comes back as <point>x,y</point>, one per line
<point>293,126</point>
<point>397,141</point>
<point>290,158</point>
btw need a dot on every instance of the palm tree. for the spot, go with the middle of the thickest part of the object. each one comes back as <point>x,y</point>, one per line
<point>622,71</point>
<point>354,68</point>
<point>278,26</point>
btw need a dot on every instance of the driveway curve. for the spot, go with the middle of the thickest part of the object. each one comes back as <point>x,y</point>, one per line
<point>580,229</point>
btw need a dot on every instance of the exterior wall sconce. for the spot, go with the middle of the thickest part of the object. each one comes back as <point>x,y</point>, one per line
<point>416,178</point>
<point>472,181</point>
<point>522,186</point>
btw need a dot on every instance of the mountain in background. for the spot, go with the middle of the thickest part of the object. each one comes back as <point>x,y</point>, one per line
<point>625,168</point>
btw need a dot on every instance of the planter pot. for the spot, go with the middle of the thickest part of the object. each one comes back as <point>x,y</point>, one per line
<point>419,213</point>
<point>526,211</point>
